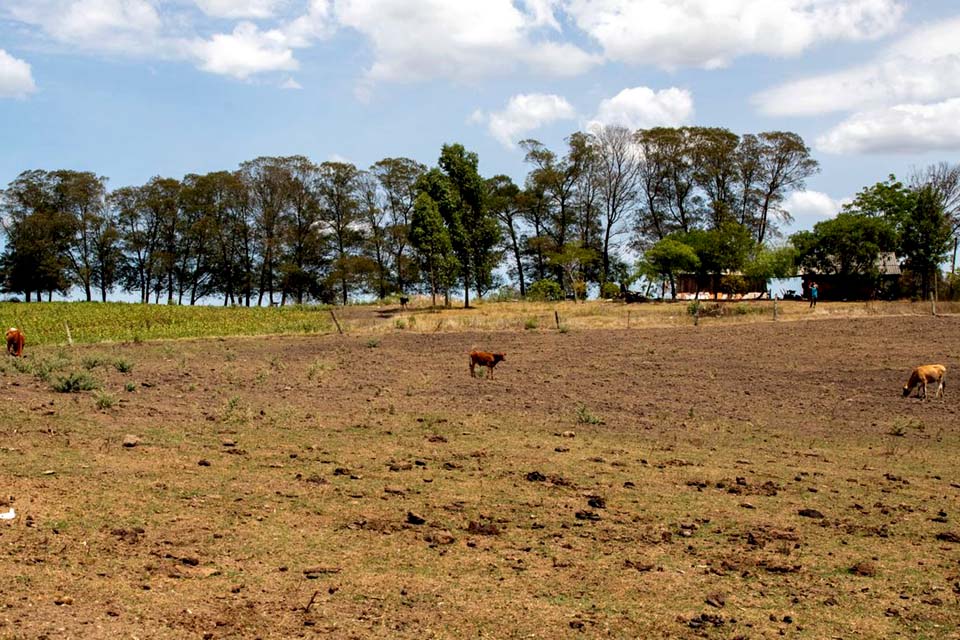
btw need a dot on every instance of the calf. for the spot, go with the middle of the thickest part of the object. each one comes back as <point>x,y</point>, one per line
<point>923,375</point>
<point>484,359</point>
<point>15,340</point>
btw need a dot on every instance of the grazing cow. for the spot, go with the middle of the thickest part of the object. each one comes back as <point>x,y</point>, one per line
<point>484,359</point>
<point>923,375</point>
<point>15,340</point>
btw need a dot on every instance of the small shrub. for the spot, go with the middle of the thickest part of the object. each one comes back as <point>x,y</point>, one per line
<point>563,328</point>
<point>531,324</point>
<point>91,362</point>
<point>400,323</point>
<point>609,291</point>
<point>130,387</point>
<point>104,401</point>
<point>123,366</point>
<point>585,417</point>
<point>74,383</point>
<point>373,343</point>
<point>545,291</point>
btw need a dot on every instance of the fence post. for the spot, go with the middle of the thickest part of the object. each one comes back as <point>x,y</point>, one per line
<point>774,307</point>
<point>336,322</point>
<point>556,317</point>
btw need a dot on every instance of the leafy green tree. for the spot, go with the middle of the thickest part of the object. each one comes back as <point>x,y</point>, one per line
<point>458,191</point>
<point>925,237</point>
<point>769,263</point>
<point>398,179</point>
<point>719,250</point>
<point>430,237</point>
<point>846,245</point>
<point>505,202</point>
<point>40,232</point>
<point>669,257</point>
<point>338,189</point>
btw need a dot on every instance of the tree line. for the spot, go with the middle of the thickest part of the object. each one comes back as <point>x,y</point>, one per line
<point>282,230</point>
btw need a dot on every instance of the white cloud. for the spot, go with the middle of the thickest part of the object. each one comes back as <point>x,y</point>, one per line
<point>809,208</point>
<point>238,8</point>
<point>100,25</point>
<point>642,107</point>
<point>524,113</point>
<point>161,29</point>
<point>710,33</point>
<point>903,128</point>
<point>290,83</point>
<point>16,79</point>
<point>461,40</point>
<point>920,67</point>
<point>244,52</point>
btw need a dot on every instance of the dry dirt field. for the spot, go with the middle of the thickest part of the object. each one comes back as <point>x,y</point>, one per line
<point>729,480</point>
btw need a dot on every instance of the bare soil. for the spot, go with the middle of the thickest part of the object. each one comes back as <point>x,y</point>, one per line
<point>729,480</point>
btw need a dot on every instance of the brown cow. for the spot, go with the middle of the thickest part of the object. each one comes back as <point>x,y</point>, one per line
<point>923,375</point>
<point>484,359</point>
<point>15,340</point>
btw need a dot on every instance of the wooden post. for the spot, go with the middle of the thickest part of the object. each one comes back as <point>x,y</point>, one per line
<point>336,322</point>
<point>628,318</point>
<point>696,314</point>
<point>556,317</point>
<point>774,308</point>
<point>69,337</point>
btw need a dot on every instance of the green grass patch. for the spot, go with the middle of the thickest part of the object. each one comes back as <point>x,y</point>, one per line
<point>91,322</point>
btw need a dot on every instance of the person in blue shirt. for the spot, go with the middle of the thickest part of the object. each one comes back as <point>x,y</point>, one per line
<point>814,293</point>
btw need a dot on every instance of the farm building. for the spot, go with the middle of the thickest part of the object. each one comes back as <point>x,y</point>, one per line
<point>857,286</point>
<point>728,286</point>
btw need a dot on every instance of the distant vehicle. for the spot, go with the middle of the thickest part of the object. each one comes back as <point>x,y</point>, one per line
<point>791,294</point>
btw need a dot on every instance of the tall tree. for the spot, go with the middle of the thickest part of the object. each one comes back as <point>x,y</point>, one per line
<point>337,190</point>
<point>268,182</point>
<point>161,198</point>
<point>616,157</point>
<point>784,166</point>
<point>82,195</point>
<point>473,231</point>
<point>39,234</point>
<point>430,237</point>
<point>398,180</point>
<point>925,237</point>
<point>505,202</point>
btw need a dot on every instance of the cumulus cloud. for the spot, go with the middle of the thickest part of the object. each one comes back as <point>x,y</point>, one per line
<point>152,28</point>
<point>245,52</point>
<point>16,78</point>
<point>810,207</point>
<point>238,8</point>
<point>923,66</point>
<point>642,108</point>
<point>903,128</point>
<point>524,113</point>
<point>461,40</point>
<point>905,100</point>
<point>290,83</point>
<point>709,34</point>
<point>101,25</point>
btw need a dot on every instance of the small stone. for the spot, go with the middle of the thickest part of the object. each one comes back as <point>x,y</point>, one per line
<point>568,434</point>
<point>810,513</point>
<point>413,518</point>
<point>203,463</point>
<point>130,441</point>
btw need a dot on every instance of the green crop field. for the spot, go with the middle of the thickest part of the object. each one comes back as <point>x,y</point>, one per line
<point>87,322</point>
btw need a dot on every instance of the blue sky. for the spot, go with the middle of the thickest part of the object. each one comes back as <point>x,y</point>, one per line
<point>136,88</point>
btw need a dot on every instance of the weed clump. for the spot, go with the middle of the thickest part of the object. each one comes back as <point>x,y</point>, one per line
<point>74,383</point>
